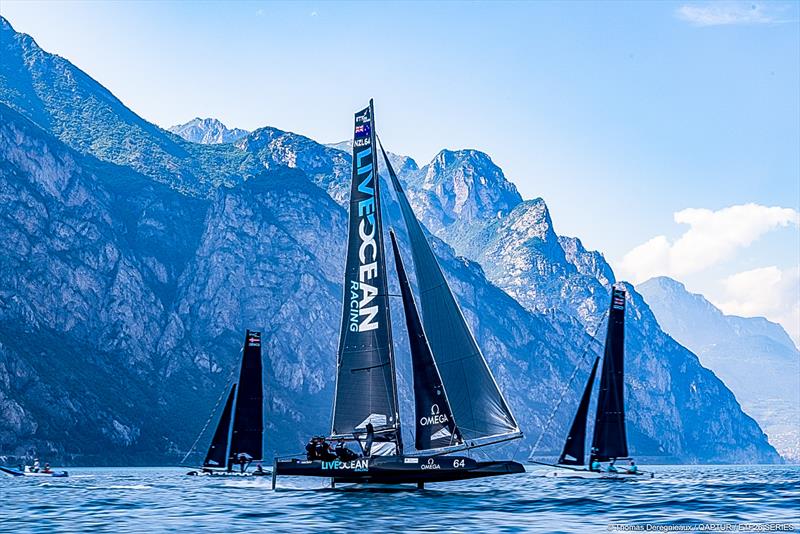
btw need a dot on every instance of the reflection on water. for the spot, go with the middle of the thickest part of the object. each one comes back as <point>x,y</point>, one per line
<point>164,500</point>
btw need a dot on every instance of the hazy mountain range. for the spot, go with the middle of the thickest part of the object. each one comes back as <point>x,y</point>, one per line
<point>755,358</point>
<point>134,260</point>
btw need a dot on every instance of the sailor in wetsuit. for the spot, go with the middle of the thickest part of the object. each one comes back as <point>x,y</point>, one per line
<point>595,465</point>
<point>343,452</point>
<point>633,468</point>
<point>323,450</point>
<point>611,467</point>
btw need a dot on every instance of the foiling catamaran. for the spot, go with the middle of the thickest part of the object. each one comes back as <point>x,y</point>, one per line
<point>609,442</point>
<point>458,404</point>
<point>238,439</point>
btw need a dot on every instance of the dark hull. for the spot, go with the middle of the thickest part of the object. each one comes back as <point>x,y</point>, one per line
<point>398,469</point>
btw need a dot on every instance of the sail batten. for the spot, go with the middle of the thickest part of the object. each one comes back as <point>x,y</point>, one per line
<point>610,440</point>
<point>476,402</point>
<point>366,390</point>
<point>574,452</point>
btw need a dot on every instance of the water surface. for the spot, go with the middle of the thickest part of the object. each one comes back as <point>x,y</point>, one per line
<point>156,500</point>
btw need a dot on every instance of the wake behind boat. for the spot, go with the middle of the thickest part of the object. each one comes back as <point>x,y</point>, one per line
<point>458,404</point>
<point>238,439</point>
<point>609,442</point>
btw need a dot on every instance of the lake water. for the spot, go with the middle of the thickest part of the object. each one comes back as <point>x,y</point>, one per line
<point>164,500</point>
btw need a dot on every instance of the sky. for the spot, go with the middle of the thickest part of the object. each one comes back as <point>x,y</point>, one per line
<point>664,134</point>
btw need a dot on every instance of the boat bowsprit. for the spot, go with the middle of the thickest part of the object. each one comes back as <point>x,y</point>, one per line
<point>26,472</point>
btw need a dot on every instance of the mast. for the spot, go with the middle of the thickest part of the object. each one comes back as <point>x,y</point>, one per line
<point>610,440</point>
<point>366,389</point>
<point>479,409</point>
<point>247,427</point>
<point>435,426</point>
<point>218,450</point>
<point>574,452</point>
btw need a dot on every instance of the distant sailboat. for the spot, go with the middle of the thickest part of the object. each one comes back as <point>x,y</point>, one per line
<point>238,438</point>
<point>458,404</point>
<point>609,442</point>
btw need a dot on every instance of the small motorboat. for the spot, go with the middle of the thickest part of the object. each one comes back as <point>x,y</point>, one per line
<point>28,472</point>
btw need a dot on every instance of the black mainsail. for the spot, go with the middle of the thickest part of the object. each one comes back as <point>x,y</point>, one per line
<point>479,409</point>
<point>435,426</point>
<point>574,452</point>
<point>247,429</point>
<point>366,391</point>
<point>610,441</point>
<point>218,450</point>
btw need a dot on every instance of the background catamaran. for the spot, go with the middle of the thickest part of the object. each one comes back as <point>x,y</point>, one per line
<point>458,404</point>
<point>238,439</point>
<point>609,442</point>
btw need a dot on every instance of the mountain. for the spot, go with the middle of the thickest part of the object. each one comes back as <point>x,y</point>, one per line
<point>756,358</point>
<point>207,132</point>
<point>135,259</point>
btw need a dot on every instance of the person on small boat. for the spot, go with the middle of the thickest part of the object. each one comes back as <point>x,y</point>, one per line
<point>259,469</point>
<point>35,465</point>
<point>311,448</point>
<point>611,467</point>
<point>243,459</point>
<point>370,439</point>
<point>595,466</point>
<point>46,468</point>
<point>324,451</point>
<point>343,452</point>
<point>633,468</point>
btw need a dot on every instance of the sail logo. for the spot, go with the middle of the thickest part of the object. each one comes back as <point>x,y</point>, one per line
<point>363,316</point>
<point>430,465</point>
<point>359,465</point>
<point>435,418</point>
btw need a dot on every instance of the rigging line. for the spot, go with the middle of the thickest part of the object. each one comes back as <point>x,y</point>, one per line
<point>549,420</point>
<point>213,411</point>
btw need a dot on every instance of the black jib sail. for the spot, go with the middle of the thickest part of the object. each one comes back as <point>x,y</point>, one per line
<point>434,421</point>
<point>366,392</point>
<point>247,430</point>
<point>574,452</point>
<point>480,411</point>
<point>609,439</point>
<point>219,443</point>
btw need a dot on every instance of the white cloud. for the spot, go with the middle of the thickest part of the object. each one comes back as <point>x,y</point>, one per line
<point>767,292</point>
<point>727,13</point>
<point>712,237</point>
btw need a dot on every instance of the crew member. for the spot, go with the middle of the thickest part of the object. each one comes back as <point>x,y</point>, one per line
<point>633,468</point>
<point>343,452</point>
<point>611,467</point>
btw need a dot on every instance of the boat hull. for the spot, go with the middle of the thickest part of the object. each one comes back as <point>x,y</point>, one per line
<point>231,474</point>
<point>17,473</point>
<point>574,472</point>
<point>398,469</point>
